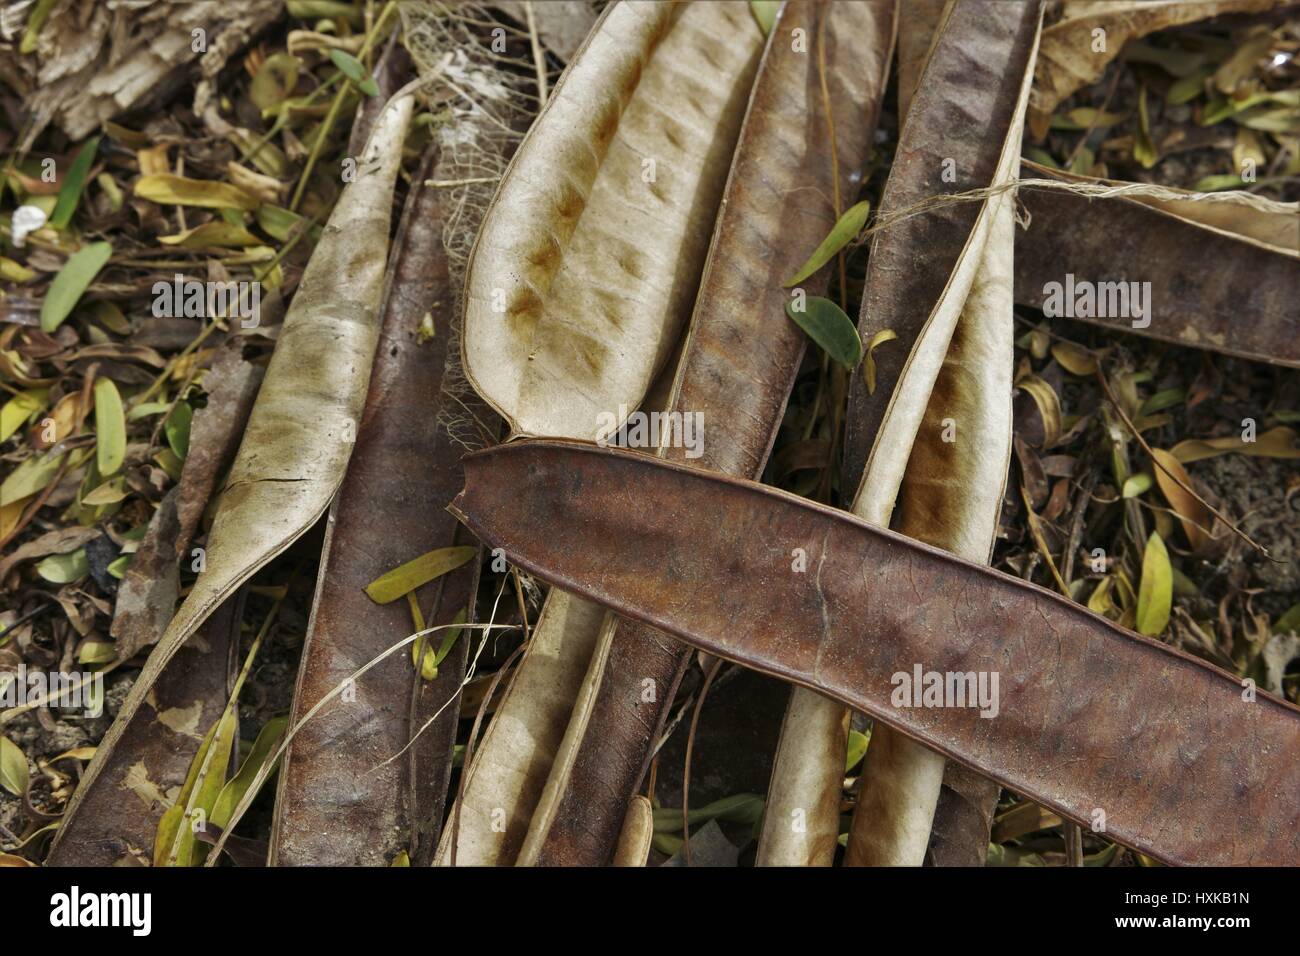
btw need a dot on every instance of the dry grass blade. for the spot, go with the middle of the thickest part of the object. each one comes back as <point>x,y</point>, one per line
<point>300,434</point>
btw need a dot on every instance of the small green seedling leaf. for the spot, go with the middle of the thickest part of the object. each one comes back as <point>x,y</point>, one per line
<point>353,69</point>
<point>73,186</point>
<point>841,234</point>
<point>828,326</point>
<point>110,428</point>
<point>411,575</point>
<point>73,279</point>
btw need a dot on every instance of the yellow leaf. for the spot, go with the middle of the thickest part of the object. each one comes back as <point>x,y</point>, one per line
<point>1156,591</point>
<point>411,575</point>
<point>215,233</point>
<point>13,767</point>
<point>169,190</point>
<point>1277,442</point>
<point>869,366</point>
<point>1194,516</point>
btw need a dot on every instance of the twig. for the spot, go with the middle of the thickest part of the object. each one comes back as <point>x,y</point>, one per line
<point>539,58</point>
<point>690,747</point>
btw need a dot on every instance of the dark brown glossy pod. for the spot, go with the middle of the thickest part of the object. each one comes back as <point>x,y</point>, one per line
<point>970,95</point>
<point>1175,756</point>
<point>339,802</point>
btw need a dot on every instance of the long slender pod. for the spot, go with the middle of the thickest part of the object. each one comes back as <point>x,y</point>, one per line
<point>300,433</point>
<point>342,799</point>
<point>950,497</point>
<point>580,281</point>
<point>1086,718</point>
<point>740,359</point>
<point>918,284</point>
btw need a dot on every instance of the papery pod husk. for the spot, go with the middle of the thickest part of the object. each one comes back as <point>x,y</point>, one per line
<point>741,356</point>
<point>950,497</point>
<point>918,23</point>
<point>638,832</point>
<point>963,818</point>
<point>1223,275</point>
<point>116,820</point>
<point>972,40</point>
<point>588,259</point>
<point>302,427</point>
<point>981,53</point>
<point>342,800</point>
<point>1186,764</point>
<point>594,290</point>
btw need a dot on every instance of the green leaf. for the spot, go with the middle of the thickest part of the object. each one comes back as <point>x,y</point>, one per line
<point>110,428</point>
<point>353,69</point>
<point>857,749</point>
<point>20,409</point>
<point>73,186</point>
<point>267,742</point>
<point>1155,593</point>
<point>35,20</point>
<point>1289,621</point>
<point>1138,484</point>
<point>117,567</point>
<point>740,808</point>
<point>275,80</point>
<point>97,652</point>
<point>1189,87</point>
<point>1161,400</point>
<point>13,767</point>
<point>29,478</point>
<point>73,279</point>
<point>765,12</point>
<point>1144,151</point>
<point>411,575</point>
<point>223,234</point>
<point>845,228</point>
<point>828,326</point>
<point>64,568</point>
<point>177,429</point>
